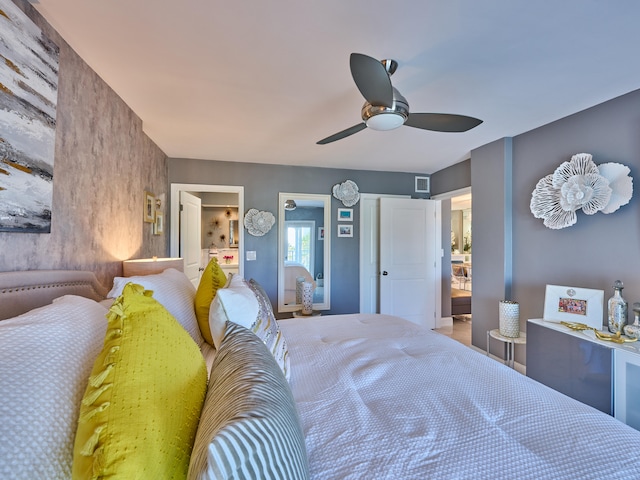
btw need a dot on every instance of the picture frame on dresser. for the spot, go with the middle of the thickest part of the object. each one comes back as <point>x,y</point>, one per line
<point>574,304</point>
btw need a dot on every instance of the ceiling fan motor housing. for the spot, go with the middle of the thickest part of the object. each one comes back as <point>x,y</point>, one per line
<point>380,117</point>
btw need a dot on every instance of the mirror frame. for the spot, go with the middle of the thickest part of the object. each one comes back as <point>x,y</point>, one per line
<point>326,200</point>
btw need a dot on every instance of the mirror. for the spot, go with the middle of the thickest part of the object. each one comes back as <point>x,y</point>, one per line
<point>304,226</point>
<point>233,233</point>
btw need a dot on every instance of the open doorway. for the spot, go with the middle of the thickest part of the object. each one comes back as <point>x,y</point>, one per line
<point>219,218</point>
<point>457,277</point>
<point>461,267</point>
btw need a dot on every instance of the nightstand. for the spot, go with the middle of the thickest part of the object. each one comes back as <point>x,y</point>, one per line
<point>510,343</point>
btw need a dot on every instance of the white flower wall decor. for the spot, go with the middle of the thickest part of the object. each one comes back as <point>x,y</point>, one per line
<point>258,223</point>
<point>580,184</point>
<point>347,193</point>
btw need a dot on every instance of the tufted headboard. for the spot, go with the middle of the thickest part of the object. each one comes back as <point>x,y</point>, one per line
<point>26,290</point>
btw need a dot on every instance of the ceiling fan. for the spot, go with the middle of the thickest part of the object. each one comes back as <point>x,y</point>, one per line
<point>385,108</point>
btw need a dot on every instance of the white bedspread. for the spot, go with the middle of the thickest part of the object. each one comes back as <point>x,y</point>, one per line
<point>382,398</point>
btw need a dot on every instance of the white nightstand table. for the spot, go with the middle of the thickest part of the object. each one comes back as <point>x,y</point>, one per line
<point>510,344</point>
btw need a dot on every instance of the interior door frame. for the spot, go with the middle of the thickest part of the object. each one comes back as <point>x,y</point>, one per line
<point>446,253</point>
<point>176,188</point>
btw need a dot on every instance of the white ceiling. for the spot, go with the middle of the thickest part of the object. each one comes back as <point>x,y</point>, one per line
<point>262,81</point>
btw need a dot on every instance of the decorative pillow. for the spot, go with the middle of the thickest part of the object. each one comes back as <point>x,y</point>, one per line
<point>246,304</point>
<point>236,303</point>
<point>249,425</point>
<point>45,360</point>
<point>173,290</point>
<point>213,278</point>
<point>267,328</point>
<point>140,411</point>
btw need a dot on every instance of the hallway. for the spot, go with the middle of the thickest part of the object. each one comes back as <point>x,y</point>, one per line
<point>460,331</point>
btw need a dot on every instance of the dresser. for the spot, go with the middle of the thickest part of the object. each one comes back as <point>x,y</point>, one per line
<point>602,374</point>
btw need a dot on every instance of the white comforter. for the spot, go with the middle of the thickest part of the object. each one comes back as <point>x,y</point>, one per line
<point>382,398</point>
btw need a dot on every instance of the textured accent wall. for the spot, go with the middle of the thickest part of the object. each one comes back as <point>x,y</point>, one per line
<point>103,164</point>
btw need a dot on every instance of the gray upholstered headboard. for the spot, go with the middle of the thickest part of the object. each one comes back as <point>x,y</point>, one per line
<point>26,290</point>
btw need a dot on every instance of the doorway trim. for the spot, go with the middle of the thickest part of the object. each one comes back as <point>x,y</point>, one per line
<point>176,188</point>
<point>446,253</point>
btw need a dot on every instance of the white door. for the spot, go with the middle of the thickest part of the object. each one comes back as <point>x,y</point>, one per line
<point>409,284</point>
<point>190,235</point>
<point>370,250</point>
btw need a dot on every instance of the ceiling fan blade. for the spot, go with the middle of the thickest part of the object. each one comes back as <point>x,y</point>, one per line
<point>343,134</point>
<point>372,80</point>
<point>442,122</point>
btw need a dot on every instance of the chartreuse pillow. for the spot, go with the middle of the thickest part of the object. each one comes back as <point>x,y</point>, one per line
<point>213,278</point>
<point>140,412</point>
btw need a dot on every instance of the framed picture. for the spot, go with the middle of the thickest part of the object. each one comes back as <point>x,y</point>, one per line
<point>158,225</point>
<point>345,230</point>
<point>572,304</point>
<point>149,207</point>
<point>345,214</point>
<point>321,233</point>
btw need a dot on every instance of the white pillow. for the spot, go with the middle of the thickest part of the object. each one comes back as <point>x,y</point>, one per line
<point>46,357</point>
<point>173,290</point>
<point>245,303</point>
<point>235,302</point>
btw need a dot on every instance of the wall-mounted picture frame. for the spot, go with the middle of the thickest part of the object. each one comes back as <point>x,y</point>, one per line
<point>320,233</point>
<point>345,214</point>
<point>573,304</point>
<point>345,230</point>
<point>158,225</point>
<point>149,207</point>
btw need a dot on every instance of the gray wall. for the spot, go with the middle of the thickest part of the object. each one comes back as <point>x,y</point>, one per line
<point>103,165</point>
<point>593,253</point>
<point>261,186</point>
<point>452,178</point>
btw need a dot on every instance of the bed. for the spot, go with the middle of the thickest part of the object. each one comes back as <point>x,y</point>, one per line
<point>346,396</point>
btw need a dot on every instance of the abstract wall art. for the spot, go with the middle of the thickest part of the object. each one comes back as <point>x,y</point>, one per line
<point>28,98</point>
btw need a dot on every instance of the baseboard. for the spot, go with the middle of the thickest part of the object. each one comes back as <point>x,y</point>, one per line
<point>444,322</point>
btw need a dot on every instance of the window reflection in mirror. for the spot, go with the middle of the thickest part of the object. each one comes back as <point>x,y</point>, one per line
<point>303,248</point>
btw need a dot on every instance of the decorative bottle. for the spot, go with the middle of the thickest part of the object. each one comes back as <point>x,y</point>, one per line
<point>633,331</point>
<point>617,309</point>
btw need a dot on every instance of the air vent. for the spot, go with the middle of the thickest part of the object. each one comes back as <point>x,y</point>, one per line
<point>423,185</point>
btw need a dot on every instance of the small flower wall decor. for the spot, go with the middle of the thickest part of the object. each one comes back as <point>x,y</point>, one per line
<point>347,192</point>
<point>258,222</point>
<point>580,184</point>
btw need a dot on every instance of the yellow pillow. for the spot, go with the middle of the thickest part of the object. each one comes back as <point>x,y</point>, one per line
<point>212,279</point>
<point>140,411</point>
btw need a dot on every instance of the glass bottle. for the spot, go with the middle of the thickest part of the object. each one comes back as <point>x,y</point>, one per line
<point>617,309</point>
<point>633,331</point>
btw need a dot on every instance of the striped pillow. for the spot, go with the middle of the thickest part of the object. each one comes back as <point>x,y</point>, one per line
<point>249,425</point>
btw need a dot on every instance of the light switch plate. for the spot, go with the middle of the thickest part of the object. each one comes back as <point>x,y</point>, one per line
<point>251,255</point>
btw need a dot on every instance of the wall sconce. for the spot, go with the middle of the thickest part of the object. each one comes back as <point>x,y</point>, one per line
<point>290,205</point>
<point>150,266</point>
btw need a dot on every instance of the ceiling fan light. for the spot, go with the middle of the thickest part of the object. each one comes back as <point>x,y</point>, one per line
<point>385,121</point>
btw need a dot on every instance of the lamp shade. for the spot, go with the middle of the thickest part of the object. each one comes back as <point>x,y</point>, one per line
<point>149,266</point>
